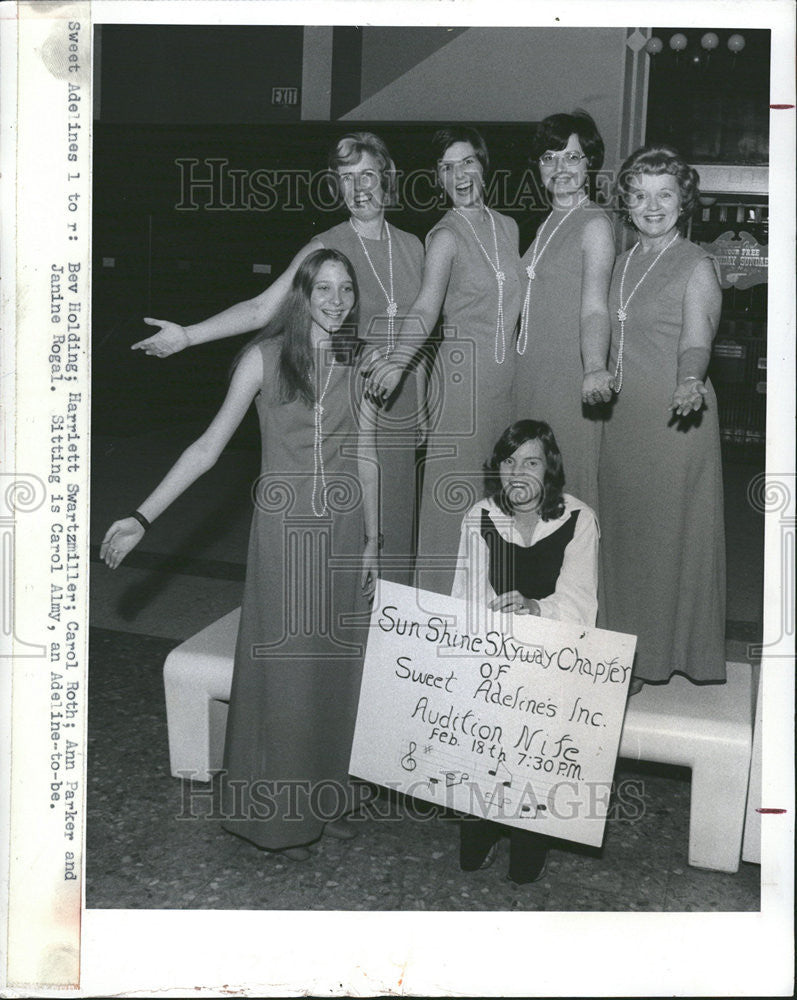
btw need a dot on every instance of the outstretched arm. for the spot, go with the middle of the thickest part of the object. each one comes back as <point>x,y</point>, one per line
<point>702,306</point>
<point>243,317</point>
<point>598,254</point>
<point>421,318</point>
<point>198,458</point>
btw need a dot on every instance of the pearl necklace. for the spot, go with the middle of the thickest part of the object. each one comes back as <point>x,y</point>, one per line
<point>500,277</point>
<point>392,305</point>
<point>531,270</point>
<point>319,474</point>
<point>622,312</point>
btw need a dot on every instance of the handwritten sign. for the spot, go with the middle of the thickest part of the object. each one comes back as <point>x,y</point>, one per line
<point>512,718</point>
<point>743,261</point>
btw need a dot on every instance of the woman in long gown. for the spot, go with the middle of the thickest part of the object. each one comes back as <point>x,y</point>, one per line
<point>388,263</point>
<point>663,551</point>
<point>472,274</point>
<point>312,563</point>
<point>564,330</point>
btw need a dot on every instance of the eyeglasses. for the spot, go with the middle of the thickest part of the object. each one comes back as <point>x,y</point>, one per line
<point>570,156</point>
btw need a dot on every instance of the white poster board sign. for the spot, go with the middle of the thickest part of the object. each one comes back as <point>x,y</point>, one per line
<point>513,718</point>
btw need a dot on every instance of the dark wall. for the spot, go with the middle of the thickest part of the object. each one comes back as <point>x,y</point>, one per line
<point>197,73</point>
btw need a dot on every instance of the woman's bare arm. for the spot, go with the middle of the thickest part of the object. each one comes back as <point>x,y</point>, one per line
<point>702,307</point>
<point>198,458</point>
<point>421,317</point>
<point>598,255</point>
<point>243,317</point>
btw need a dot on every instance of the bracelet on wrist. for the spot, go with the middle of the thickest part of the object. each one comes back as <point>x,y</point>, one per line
<point>691,378</point>
<point>145,524</point>
<point>380,540</point>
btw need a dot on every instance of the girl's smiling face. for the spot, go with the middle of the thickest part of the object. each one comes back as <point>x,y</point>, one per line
<point>332,297</point>
<point>522,475</point>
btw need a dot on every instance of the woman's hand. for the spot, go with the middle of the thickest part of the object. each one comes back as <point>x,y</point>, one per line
<point>169,339</point>
<point>381,380</point>
<point>689,396</point>
<point>120,538</point>
<point>370,572</point>
<point>515,602</point>
<point>597,387</point>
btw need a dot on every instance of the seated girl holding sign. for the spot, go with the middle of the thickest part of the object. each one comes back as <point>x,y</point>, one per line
<point>530,549</point>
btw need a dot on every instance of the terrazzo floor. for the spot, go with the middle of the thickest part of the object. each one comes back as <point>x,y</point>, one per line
<point>145,850</point>
<point>152,841</point>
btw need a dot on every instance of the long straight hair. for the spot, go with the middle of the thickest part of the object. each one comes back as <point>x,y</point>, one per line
<point>293,323</point>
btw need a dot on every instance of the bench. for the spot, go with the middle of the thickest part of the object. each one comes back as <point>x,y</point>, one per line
<point>708,729</point>
<point>704,727</point>
<point>197,676</point>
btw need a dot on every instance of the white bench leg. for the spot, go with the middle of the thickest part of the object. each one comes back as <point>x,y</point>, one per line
<point>707,729</point>
<point>751,843</point>
<point>197,676</point>
<point>196,715</point>
<point>716,818</point>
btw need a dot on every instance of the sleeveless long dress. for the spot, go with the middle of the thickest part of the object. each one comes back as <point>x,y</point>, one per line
<point>549,371</point>
<point>397,422</point>
<point>298,660</point>
<point>470,389</point>
<point>663,537</point>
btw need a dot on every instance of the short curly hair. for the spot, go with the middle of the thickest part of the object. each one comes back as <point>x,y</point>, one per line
<point>654,160</point>
<point>348,150</point>
<point>554,132</point>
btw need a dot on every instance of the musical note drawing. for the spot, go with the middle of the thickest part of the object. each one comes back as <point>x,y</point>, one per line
<point>537,808</point>
<point>428,748</point>
<point>430,783</point>
<point>506,773</point>
<point>498,798</point>
<point>452,779</point>
<point>408,762</point>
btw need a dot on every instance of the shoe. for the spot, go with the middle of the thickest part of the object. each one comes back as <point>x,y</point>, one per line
<point>297,854</point>
<point>478,844</point>
<point>532,874</point>
<point>492,854</point>
<point>528,856</point>
<point>340,829</point>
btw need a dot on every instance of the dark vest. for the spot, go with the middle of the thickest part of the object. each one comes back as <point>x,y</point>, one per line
<point>532,570</point>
